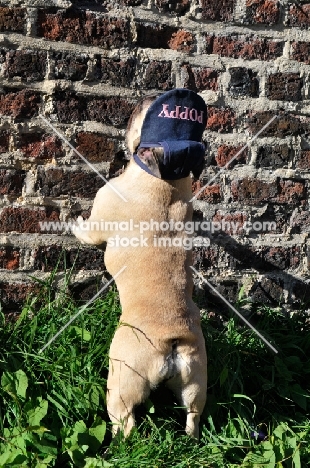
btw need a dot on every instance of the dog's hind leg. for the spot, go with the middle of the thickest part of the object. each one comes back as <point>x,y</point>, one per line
<point>190,388</point>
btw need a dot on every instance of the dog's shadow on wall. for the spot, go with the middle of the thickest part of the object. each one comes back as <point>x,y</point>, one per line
<point>270,283</point>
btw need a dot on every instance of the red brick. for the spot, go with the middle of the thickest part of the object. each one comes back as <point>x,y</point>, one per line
<point>19,104</point>
<point>95,147</point>
<point>41,146</point>
<point>262,11</point>
<point>14,294</point>
<point>9,258</point>
<point>232,223</point>
<point>299,15</point>
<point>218,11</point>
<point>242,46</point>
<point>154,36</point>
<point>226,153</point>
<point>303,160</point>
<point>54,256</point>
<point>30,65</point>
<point>179,7</point>
<point>284,86</point>
<point>11,181</point>
<point>83,27</point>
<point>26,219</point>
<point>158,76</point>
<point>301,52</point>
<point>182,41</point>
<point>291,191</point>
<point>70,66</point>
<point>12,19</point>
<point>210,194</point>
<point>273,156</point>
<point>256,191</point>
<point>55,182</point>
<point>118,72</point>
<point>220,119</point>
<point>284,125</point>
<point>200,79</point>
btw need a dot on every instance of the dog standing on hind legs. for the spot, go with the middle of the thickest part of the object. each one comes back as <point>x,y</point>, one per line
<point>159,337</point>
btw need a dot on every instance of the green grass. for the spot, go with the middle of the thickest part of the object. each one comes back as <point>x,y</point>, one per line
<point>53,410</point>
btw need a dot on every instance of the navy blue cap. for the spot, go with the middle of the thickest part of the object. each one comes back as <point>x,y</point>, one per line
<point>176,121</point>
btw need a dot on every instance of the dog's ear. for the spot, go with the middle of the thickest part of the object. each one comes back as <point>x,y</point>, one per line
<point>134,126</point>
<point>197,170</point>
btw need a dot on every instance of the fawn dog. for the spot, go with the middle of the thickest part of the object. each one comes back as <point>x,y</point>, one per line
<point>159,336</point>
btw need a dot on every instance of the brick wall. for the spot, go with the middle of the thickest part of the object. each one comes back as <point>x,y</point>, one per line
<point>84,64</point>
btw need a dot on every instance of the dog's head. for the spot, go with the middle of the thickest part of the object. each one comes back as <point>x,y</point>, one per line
<point>165,134</point>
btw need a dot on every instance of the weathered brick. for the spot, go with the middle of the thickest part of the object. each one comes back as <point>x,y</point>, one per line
<point>300,222</point>
<point>55,256</point>
<point>299,15</point>
<point>218,11</point>
<point>300,52</point>
<point>4,141</point>
<point>12,19</point>
<point>284,86</point>
<point>154,36</point>
<point>14,294</point>
<point>182,41</point>
<point>200,79</point>
<point>83,27</point>
<point>109,110</point>
<point>95,147</point>
<point>220,119</point>
<point>85,290</point>
<point>262,11</point>
<point>179,7</point>
<point>243,82</point>
<point>70,66</point>
<point>211,193</point>
<point>291,192</point>
<point>26,219</point>
<point>112,110</point>
<point>19,104</point>
<point>244,46</point>
<point>56,182</point>
<point>11,181</point>
<point>284,125</point>
<point>273,156</point>
<point>256,191</point>
<point>9,258</point>
<point>268,291</point>
<point>303,160</point>
<point>41,146</point>
<point>158,75</point>
<point>282,258</point>
<point>30,65</point>
<point>231,223</point>
<point>118,72</point>
<point>226,153</point>
<point>206,257</point>
<point>70,107</point>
